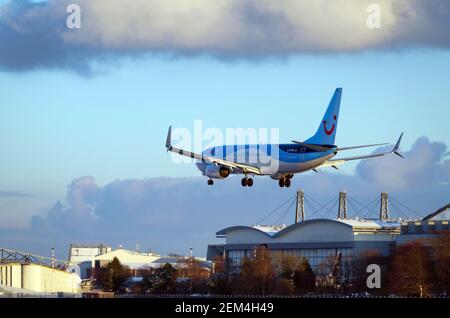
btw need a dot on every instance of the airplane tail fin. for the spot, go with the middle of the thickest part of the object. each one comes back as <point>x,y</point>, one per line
<point>326,132</point>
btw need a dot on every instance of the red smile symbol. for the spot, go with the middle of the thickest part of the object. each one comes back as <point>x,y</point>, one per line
<point>328,132</point>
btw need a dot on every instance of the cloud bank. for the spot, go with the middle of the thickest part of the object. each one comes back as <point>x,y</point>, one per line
<point>34,34</point>
<point>173,214</point>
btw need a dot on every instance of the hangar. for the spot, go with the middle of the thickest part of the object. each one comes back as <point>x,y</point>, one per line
<point>323,240</point>
<point>318,240</point>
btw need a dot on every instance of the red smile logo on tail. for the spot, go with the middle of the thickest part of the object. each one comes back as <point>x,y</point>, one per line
<point>328,132</point>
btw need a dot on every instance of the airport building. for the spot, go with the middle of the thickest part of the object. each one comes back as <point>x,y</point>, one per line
<point>323,240</point>
<point>318,240</point>
<point>428,227</point>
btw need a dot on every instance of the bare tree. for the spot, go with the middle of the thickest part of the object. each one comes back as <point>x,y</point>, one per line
<point>258,274</point>
<point>440,248</point>
<point>410,270</point>
<point>220,281</point>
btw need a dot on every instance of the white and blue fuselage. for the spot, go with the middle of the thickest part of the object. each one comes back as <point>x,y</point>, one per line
<point>272,159</point>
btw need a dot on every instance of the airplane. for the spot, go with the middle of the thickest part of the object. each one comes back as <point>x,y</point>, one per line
<point>285,159</point>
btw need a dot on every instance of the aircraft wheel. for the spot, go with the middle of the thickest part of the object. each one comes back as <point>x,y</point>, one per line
<point>244,182</point>
<point>249,182</point>
<point>281,182</point>
<point>210,182</point>
<point>287,183</point>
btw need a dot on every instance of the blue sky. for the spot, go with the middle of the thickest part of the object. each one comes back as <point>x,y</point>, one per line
<point>113,125</point>
<point>75,108</point>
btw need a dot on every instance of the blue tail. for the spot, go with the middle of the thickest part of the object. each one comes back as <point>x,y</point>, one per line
<point>326,132</point>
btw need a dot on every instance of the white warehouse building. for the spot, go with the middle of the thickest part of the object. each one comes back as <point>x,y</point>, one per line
<point>29,277</point>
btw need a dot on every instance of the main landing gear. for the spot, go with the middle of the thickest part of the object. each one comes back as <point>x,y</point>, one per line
<point>247,182</point>
<point>210,182</point>
<point>284,182</point>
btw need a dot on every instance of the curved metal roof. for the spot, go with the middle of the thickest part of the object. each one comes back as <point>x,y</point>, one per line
<point>223,232</point>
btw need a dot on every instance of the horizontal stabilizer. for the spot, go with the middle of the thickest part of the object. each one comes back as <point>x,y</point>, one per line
<point>335,162</point>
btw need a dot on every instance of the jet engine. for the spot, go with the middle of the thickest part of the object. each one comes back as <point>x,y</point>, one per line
<point>217,171</point>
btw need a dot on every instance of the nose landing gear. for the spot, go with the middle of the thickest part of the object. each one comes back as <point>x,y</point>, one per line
<point>210,182</point>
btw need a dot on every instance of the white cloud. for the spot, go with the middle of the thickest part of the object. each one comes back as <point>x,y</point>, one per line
<point>426,165</point>
<point>236,26</point>
<point>228,29</point>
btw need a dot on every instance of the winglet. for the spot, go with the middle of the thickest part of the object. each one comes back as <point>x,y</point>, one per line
<point>397,145</point>
<point>169,138</point>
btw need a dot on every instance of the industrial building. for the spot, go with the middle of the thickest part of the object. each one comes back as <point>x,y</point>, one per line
<point>134,260</point>
<point>428,227</point>
<point>38,278</point>
<point>322,240</point>
<point>92,257</point>
<point>83,256</point>
<point>31,274</point>
<point>25,274</point>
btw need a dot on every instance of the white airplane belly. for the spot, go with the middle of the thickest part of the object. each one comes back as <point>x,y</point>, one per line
<point>295,167</point>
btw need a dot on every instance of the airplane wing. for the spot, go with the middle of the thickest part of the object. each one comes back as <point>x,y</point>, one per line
<point>335,162</point>
<point>364,146</point>
<point>244,167</point>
